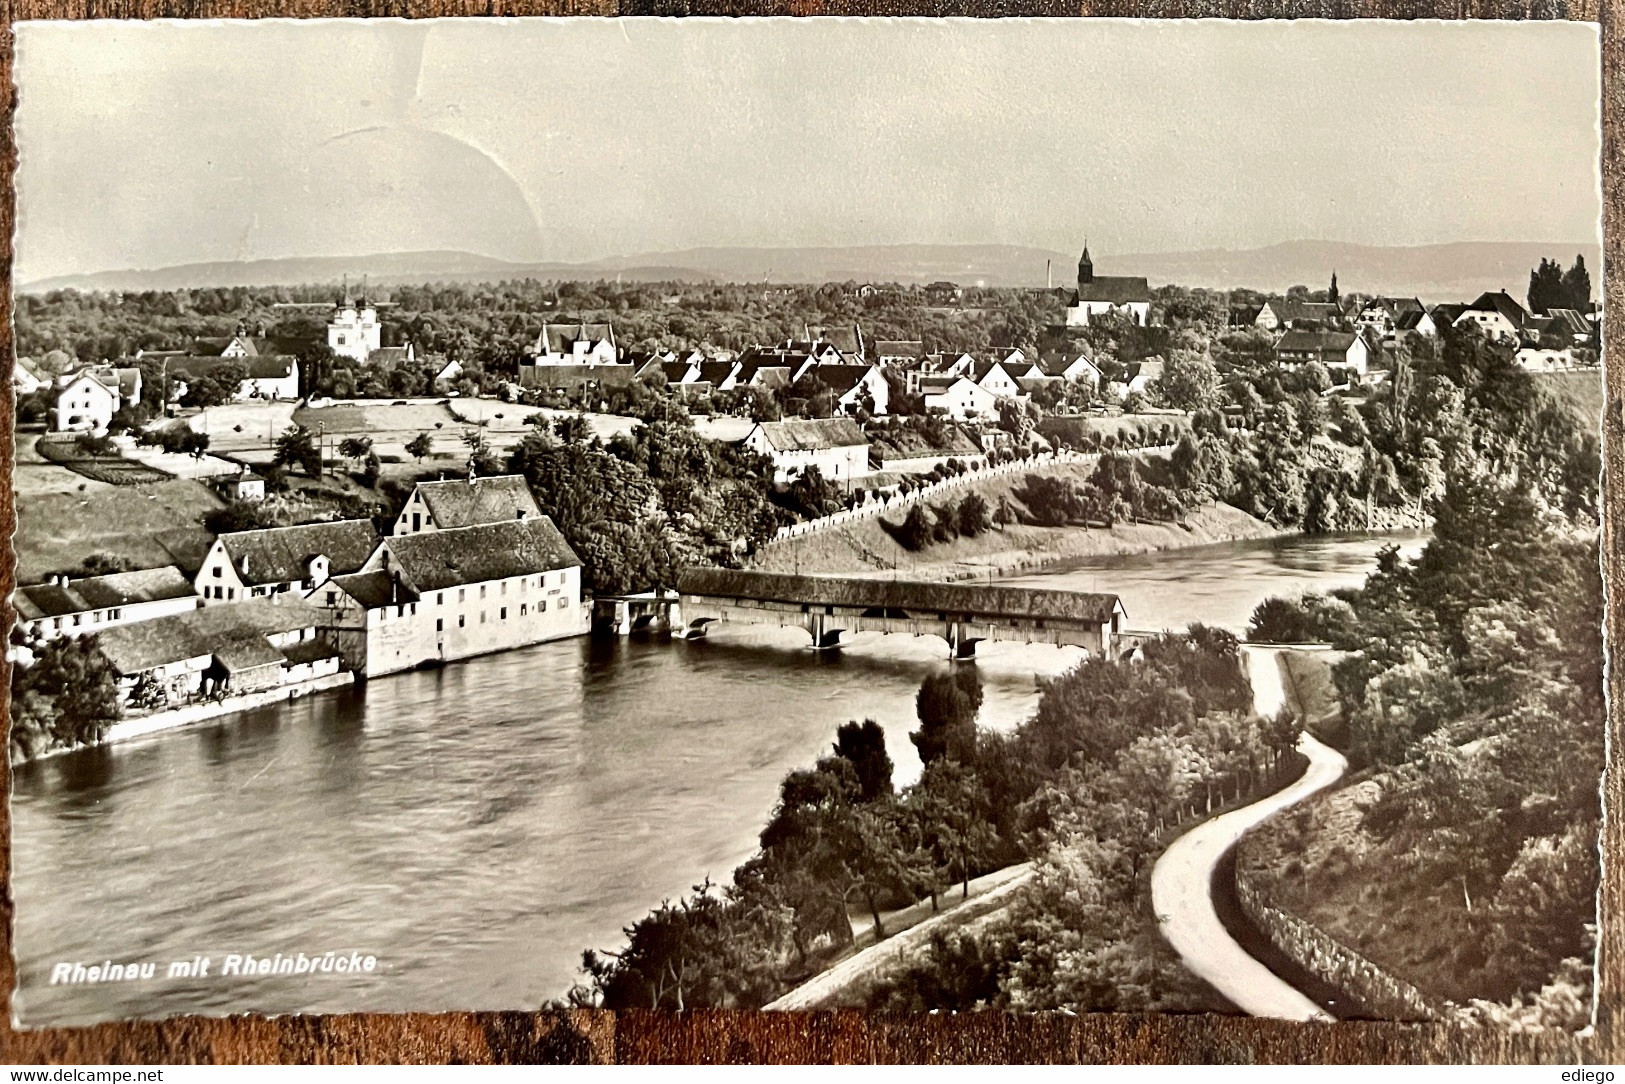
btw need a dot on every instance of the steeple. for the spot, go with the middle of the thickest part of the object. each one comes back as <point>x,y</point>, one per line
<point>1086,266</point>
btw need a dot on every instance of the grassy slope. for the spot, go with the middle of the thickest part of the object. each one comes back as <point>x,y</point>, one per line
<point>865,546</point>
<point>1581,392</point>
<point>58,530</point>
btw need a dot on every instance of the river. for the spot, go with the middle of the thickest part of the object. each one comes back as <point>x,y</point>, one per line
<point>474,828</point>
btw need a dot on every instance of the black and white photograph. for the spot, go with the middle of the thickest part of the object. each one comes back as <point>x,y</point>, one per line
<point>910,515</point>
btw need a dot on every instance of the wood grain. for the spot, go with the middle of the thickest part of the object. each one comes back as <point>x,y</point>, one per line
<point>723,1037</point>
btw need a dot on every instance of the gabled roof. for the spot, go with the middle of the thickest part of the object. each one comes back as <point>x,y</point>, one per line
<point>281,554</point>
<point>1319,342</point>
<point>263,367</point>
<point>142,645</point>
<point>557,338</point>
<point>101,592</point>
<point>1114,289</point>
<point>390,355</point>
<point>1569,321</point>
<point>1502,302</point>
<point>674,371</point>
<point>805,434</point>
<point>374,589</point>
<point>1290,311</point>
<point>436,560</point>
<point>1409,320</point>
<point>459,502</point>
<point>715,372</point>
<point>764,372</point>
<point>841,379</point>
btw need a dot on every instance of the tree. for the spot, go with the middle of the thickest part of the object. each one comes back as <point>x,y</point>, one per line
<point>220,384</point>
<point>67,696</point>
<point>355,447</point>
<point>1189,381</point>
<point>1576,290</point>
<point>864,745</point>
<point>420,446</point>
<point>297,447</point>
<point>973,517</point>
<point>1332,296</point>
<point>914,533</point>
<point>947,704</point>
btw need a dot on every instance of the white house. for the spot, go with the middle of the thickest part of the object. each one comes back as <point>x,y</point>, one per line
<point>88,402</point>
<point>836,446</point>
<point>459,502</point>
<point>998,379</point>
<point>279,560</point>
<point>1070,366</point>
<point>1288,313</point>
<point>960,397</point>
<point>1539,360</point>
<point>1382,314</point>
<point>575,344</point>
<point>1100,295</point>
<point>441,595</point>
<point>28,376</point>
<point>1497,315</point>
<point>267,376</point>
<point>1421,323</point>
<point>65,606</point>
<point>355,332</point>
<point>855,387</point>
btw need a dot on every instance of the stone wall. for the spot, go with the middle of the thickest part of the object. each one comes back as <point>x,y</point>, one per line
<point>1317,952</point>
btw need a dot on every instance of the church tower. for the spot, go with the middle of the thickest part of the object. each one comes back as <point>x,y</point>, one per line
<point>1086,267</point>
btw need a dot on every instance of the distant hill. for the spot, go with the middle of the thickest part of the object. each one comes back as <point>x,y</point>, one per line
<point>1434,272</point>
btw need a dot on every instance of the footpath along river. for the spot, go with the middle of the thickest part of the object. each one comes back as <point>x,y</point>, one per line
<point>475,828</point>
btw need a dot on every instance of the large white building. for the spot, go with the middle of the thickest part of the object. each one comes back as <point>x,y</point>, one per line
<point>355,332</point>
<point>446,594</point>
<point>836,446</point>
<point>959,397</point>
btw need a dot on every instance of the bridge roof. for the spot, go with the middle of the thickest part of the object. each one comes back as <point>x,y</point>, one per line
<point>916,595</point>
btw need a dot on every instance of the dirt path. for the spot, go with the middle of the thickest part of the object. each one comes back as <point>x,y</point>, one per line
<point>848,983</point>
<point>1182,889</point>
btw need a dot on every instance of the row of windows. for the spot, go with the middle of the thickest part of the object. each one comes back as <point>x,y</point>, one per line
<point>60,623</point>
<point>502,614</point>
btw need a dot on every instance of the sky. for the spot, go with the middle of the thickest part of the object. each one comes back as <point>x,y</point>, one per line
<point>146,145</point>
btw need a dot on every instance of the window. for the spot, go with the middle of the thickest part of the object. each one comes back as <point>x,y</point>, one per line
<point>541,607</point>
<point>482,590</point>
<point>417,520</point>
<point>502,588</point>
<point>461,594</point>
<point>563,602</point>
<point>482,617</point>
<point>231,592</point>
<point>332,598</point>
<point>503,616</point>
<point>523,609</point>
<point>439,624</point>
<point>439,598</point>
<point>217,572</point>
<point>461,620</point>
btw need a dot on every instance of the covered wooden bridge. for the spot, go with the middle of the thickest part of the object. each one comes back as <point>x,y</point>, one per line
<point>829,607</point>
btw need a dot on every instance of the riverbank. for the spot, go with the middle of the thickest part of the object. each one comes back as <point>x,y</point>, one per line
<point>158,722</point>
<point>865,548</point>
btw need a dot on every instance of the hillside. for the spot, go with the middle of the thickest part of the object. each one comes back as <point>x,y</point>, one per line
<point>1581,392</point>
<point>1434,272</point>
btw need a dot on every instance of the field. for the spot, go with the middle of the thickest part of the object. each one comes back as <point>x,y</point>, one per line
<point>112,469</point>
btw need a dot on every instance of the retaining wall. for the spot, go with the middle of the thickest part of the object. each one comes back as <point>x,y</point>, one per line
<point>1317,952</point>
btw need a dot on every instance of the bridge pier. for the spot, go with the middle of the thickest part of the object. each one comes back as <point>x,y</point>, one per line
<point>961,646</point>
<point>824,637</point>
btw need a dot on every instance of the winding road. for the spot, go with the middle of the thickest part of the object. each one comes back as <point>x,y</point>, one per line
<point>1182,879</point>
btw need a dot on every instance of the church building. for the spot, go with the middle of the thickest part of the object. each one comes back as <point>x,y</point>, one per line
<point>1127,295</point>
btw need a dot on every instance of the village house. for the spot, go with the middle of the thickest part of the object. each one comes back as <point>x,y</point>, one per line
<point>575,344</point>
<point>943,293</point>
<point>278,560</point>
<point>959,397</point>
<point>906,352</point>
<point>1497,315</point>
<point>1279,313</point>
<point>1382,314</point>
<point>439,595</point>
<point>218,651</point>
<point>245,485</point>
<point>1413,322</point>
<point>29,376</point>
<point>1101,295</point>
<point>1538,359</point>
<point>1336,350</point>
<point>855,388</point>
<point>68,606</point>
<point>91,396</point>
<point>1072,365</point>
<point>465,502</point>
<point>836,446</point>
<point>999,378</point>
